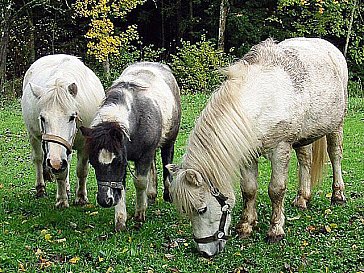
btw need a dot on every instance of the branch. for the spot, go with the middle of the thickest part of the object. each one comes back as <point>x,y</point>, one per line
<point>349,29</point>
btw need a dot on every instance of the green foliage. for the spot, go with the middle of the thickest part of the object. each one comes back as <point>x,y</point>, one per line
<point>196,66</point>
<point>328,19</point>
<point>129,54</point>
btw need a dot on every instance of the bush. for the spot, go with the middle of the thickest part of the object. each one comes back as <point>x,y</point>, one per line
<point>196,66</point>
<point>128,55</point>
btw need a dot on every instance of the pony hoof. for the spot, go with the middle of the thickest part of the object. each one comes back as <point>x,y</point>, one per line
<point>167,197</point>
<point>338,201</point>
<point>151,199</point>
<point>140,217</point>
<point>244,230</point>
<point>300,203</point>
<point>274,238</point>
<point>40,192</point>
<point>120,227</point>
<point>81,201</point>
<point>62,204</point>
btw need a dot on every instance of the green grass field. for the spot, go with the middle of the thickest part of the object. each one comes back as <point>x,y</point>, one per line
<point>37,237</point>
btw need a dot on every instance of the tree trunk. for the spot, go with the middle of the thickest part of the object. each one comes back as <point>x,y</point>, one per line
<point>222,24</point>
<point>4,40</point>
<point>106,66</point>
<point>349,29</point>
<point>163,35</point>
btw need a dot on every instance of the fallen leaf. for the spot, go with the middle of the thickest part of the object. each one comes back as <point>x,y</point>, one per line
<point>333,225</point>
<point>328,195</point>
<point>47,237</point>
<point>74,260</point>
<point>327,228</point>
<point>311,228</point>
<point>110,269</point>
<point>328,211</point>
<point>304,243</point>
<point>94,213</point>
<point>294,218</point>
<point>60,240</point>
<point>21,268</point>
<point>169,256</point>
<point>101,259</point>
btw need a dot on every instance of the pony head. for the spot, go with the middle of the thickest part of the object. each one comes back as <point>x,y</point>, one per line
<point>58,116</point>
<point>206,207</point>
<point>105,144</point>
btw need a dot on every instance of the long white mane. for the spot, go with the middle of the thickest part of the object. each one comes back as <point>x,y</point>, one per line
<point>223,138</point>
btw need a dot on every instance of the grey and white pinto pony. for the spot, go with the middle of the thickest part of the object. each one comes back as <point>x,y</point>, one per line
<point>141,113</point>
<point>279,97</point>
<point>59,92</point>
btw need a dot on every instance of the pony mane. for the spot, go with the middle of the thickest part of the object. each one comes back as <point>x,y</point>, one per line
<point>269,54</point>
<point>221,141</point>
<point>57,96</point>
<point>106,135</point>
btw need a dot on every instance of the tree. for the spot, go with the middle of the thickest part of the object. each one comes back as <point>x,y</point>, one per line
<point>340,22</point>
<point>103,38</point>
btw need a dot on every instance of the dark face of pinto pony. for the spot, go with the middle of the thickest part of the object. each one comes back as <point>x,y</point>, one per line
<point>106,146</point>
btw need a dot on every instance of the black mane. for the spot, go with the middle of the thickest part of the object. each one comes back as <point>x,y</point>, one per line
<point>114,94</point>
<point>106,135</point>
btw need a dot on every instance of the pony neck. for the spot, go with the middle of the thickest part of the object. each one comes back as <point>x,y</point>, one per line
<point>223,138</point>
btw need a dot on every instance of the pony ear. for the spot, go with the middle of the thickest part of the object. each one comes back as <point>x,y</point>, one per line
<point>72,88</point>
<point>86,132</point>
<point>37,90</point>
<point>172,168</point>
<point>193,177</point>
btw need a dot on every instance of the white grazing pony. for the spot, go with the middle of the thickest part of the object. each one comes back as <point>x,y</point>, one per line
<point>278,97</point>
<point>59,92</point>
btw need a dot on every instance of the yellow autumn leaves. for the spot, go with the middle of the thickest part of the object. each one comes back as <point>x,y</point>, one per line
<point>104,40</point>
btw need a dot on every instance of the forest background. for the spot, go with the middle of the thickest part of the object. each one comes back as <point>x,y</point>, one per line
<point>195,37</point>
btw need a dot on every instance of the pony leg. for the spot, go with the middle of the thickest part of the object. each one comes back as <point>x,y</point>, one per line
<point>120,213</point>
<point>62,197</point>
<point>334,148</point>
<point>248,186</point>
<point>152,183</point>
<point>141,183</point>
<point>280,161</point>
<point>304,156</point>
<point>167,154</point>
<point>82,171</point>
<point>37,156</point>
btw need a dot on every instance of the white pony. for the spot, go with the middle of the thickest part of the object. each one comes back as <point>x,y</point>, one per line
<point>278,97</point>
<point>59,91</point>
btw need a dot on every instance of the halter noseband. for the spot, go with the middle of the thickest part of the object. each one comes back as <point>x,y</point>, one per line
<point>225,208</point>
<point>111,184</point>
<point>60,140</point>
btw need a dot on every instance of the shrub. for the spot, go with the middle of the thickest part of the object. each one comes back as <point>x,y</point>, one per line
<point>128,55</point>
<point>196,66</point>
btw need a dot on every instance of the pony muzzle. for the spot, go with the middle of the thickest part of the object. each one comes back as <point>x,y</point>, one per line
<point>211,249</point>
<point>108,196</point>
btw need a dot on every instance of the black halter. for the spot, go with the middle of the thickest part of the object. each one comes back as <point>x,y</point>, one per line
<point>225,208</point>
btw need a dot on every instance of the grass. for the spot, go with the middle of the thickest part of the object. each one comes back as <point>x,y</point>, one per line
<point>37,237</point>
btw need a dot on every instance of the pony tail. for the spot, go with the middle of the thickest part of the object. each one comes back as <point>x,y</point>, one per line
<point>319,158</point>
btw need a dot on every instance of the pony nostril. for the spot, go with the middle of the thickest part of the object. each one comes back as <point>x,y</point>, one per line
<point>49,163</point>
<point>64,165</point>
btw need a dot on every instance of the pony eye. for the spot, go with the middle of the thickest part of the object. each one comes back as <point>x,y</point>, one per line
<point>42,119</point>
<point>202,210</point>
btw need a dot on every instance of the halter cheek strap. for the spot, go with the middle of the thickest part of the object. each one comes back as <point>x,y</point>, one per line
<point>220,233</point>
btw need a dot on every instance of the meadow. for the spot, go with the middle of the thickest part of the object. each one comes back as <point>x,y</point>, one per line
<point>37,237</point>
